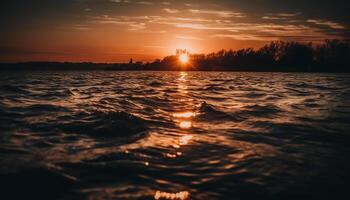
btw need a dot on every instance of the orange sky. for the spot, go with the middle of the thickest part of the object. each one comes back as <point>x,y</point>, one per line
<point>117,30</point>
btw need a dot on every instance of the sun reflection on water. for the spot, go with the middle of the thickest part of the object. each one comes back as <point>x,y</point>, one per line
<point>182,87</point>
<point>173,155</point>
<point>185,124</point>
<point>182,76</point>
<point>187,114</point>
<point>184,140</point>
<point>183,118</point>
<point>184,195</point>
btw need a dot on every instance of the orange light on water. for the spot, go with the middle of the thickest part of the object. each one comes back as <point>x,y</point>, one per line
<point>182,88</point>
<point>182,77</point>
<point>185,139</point>
<point>173,155</point>
<point>188,114</point>
<point>185,124</point>
<point>173,196</point>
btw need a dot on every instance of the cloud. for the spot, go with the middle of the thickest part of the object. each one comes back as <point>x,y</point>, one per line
<point>77,27</point>
<point>172,20</point>
<point>226,28</point>
<point>273,18</point>
<point>286,14</point>
<point>330,24</point>
<point>171,11</point>
<point>137,26</point>
<point>192,5</point>
<point>188,38</point>
<point>260,31</point>
<point>165,3</point>
<point>280,16</point>
<point>123,20</point>
<point>139,2</point>
<point>244,37</point>
<point>120,1</point>
<point>201,26</point>
<point>156,47</point>
<point>219,13</point>
<point>145,3</point>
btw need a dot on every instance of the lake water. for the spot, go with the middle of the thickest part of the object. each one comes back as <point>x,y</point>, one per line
<point>174,135</point>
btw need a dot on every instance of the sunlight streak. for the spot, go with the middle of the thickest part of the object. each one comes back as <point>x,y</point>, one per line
<point>185,124</point>
<point>187,114</point>
<point>185,139</point>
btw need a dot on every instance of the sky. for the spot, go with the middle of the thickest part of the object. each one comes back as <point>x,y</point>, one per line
<point>117,30</point>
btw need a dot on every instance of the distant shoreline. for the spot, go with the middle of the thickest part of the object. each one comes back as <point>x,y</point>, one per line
<point>64,66</point>
<point>333,56</point>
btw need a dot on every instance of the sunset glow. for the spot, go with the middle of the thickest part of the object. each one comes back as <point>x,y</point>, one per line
<point>184,58</point>
<point>115,31</point>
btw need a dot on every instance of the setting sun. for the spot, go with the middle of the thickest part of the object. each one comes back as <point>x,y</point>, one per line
<point>183,58</point>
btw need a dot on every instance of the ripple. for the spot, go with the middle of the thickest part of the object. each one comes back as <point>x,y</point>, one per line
<point>107,124</point>
<point>210,113</point>
<point>12,89</point>
<point>174,135</point>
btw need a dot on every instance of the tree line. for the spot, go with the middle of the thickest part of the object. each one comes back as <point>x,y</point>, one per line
<point>330,56</point>
<point>277,56</point>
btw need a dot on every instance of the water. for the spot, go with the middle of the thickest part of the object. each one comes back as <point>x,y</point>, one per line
<point>174,135</point>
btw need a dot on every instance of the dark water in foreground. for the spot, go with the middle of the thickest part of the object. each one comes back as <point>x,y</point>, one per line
<point>174,135</point>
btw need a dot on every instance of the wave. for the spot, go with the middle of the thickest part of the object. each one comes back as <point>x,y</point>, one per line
<point>255,95</point>
<point>106,124</point>
<point>215,88</point>
<point>16,113</point>
<point>57,94</point>
<point>12,89</point>
<point>43,108</point>
<point>209,112</point>
<point>155,84</point>
<point>119,134</point>
<point>260,110</point>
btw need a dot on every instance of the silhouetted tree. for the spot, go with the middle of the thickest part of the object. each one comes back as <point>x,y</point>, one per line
<point>331,56</point>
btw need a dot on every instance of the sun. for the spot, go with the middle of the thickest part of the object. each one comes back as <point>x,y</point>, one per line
<point>183,58</point>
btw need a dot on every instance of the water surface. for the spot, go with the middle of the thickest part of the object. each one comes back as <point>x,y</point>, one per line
<point>174,135</point>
